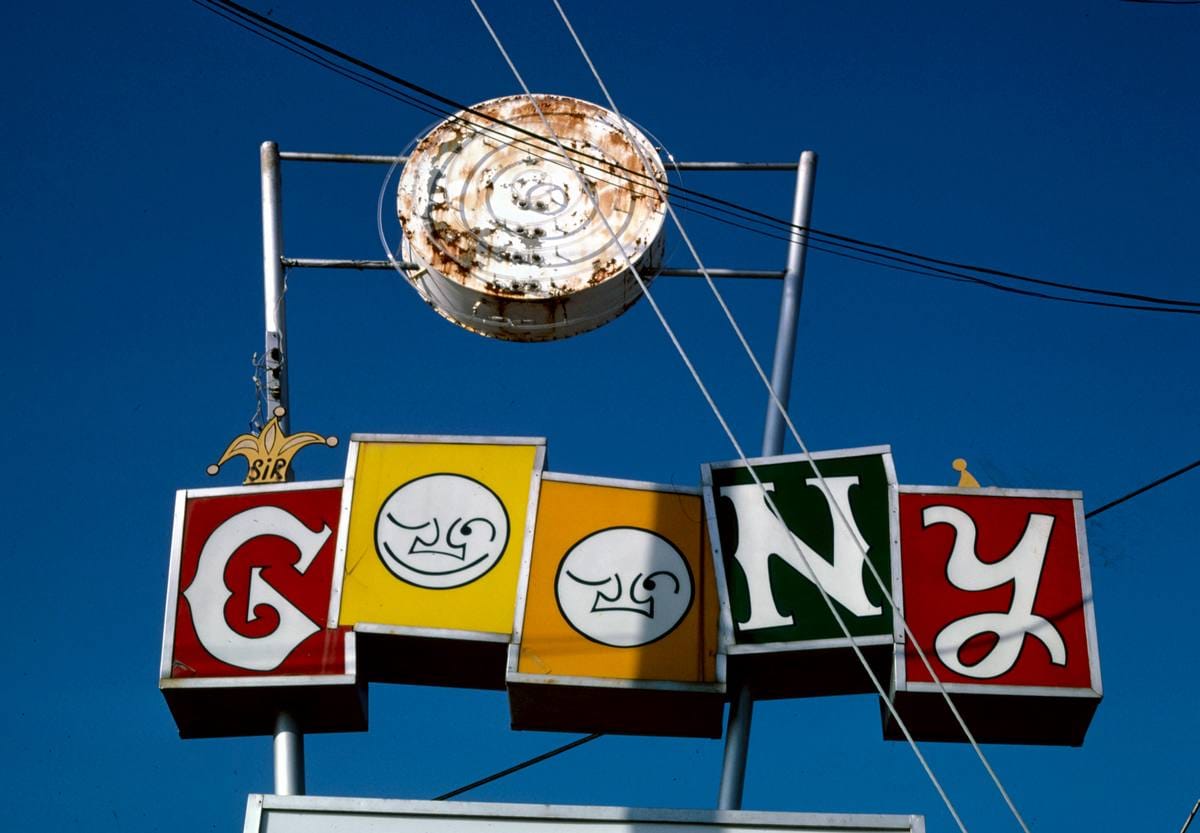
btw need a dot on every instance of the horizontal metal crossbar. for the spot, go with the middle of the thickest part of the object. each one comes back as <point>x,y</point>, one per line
<point>665,272</point>
<point>376,159</point>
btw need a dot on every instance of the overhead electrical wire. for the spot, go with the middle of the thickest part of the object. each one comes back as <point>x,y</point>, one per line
<point>915,267</point>
<point>783,412</point>
<point>873,250</point>
<point>683,355</point>
<point>580,741</point>
<point>536,759</point>
<point>1141,490</point>
<point>895,258</point>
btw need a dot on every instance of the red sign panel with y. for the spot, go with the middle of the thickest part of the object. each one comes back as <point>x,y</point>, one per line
<point>998,594</point>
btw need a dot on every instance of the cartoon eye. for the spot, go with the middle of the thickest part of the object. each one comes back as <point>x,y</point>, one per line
<point>648,583</point>
<point>470,529</point>
<point>601,583</point>
<point>418,541</point>
<point>590,583</point>
<point>406,526</point>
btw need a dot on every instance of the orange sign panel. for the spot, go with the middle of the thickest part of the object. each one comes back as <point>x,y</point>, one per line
<point>620,584</point>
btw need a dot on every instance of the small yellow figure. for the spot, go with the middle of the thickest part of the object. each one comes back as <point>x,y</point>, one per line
<point>269,454</point>
<point>966,480</point>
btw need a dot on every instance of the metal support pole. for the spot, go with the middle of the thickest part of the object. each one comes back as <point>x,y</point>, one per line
<point>789,304</point>
<point>289,756</point>
<point>737,744</point>
<point>741,704</point>
<point>289,741</point>
<point>275,356</point>
<point>379,159</point>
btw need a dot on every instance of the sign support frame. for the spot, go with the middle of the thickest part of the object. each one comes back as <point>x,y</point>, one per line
<point>741,702</point>
<point>289,756</point>
<point>288,739</point>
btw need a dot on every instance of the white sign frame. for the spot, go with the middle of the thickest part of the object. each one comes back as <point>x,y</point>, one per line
<point>316,814</point>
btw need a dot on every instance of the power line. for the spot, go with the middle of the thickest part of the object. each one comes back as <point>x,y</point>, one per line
<point>1191,816</point>
<point>763,223</point>
<point>913,267</point>
<point>587,739</point>
<point>704,391</point>
<point>358,77</point>
<point>1143,489</point>
<point>537,759</point>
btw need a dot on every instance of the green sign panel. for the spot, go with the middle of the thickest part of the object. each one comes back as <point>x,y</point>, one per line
<point>773,597</point>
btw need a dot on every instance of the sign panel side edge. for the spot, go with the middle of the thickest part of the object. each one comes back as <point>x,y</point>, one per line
<point>173,573</point>
<point>343,532</point>
<point>254,811</point>
<point>445,439</point>
<point>350,654</point>
<point>897,588</point>
<point>1088,593</point>
<point>724,610</point>
<point>802,457</point>
<point>899,677</point>
<point>620,483</point>
<point>532,512</point>
<point>563,816</point>
<point>992,491</point>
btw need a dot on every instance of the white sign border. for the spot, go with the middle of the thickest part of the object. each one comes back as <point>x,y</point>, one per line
<point>265,813</point>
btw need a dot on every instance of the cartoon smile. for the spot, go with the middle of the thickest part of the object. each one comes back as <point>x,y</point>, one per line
<point>441,531</point>
<point>604,603</point>
<point>624,587</point>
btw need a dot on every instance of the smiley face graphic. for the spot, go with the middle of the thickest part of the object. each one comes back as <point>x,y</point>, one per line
<point>441,531</point>
<point>624,587</point>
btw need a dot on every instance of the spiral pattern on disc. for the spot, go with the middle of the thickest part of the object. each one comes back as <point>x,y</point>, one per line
<point>501,213</point>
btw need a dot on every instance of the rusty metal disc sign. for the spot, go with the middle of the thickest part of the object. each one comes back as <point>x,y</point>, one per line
<point>508,240</point>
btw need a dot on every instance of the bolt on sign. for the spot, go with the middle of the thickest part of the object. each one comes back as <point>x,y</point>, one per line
<point>429,550</point>
<point>997,591</point>
<point>247,596</point>
<point>778,632</point>
<point>616,627</point>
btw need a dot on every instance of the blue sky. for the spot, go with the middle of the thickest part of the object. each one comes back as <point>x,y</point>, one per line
<point>1049,139</point>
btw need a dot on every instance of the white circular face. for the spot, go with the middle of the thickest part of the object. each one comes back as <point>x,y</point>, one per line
<point>441,531</point>
<point>624,587</point>
<point>497,211</point>
<point>509,239</point>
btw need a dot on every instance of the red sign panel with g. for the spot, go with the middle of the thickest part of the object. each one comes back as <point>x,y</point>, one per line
<point>255,570</point>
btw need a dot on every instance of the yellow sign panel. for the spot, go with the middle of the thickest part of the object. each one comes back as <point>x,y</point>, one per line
<point>620,584</point>
<point>436,531</point>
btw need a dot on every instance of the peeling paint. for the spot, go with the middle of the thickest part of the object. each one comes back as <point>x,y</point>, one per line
<point>497,222</point>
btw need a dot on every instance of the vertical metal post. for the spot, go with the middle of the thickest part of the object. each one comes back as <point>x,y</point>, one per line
<point>789,304</point>
<point>275,355</point>
<point>288,741</point>
<point>289,756</point>
<point>737,745</point>
<point>741,705</point>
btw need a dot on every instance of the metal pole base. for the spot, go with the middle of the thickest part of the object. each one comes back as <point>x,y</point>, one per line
<point>737,745</point>
<point>289,756</point>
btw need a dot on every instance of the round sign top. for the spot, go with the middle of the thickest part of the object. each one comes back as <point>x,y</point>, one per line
<point>508,240</point>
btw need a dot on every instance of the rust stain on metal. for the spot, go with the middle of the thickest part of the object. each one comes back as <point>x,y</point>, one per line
<point>499,220</point>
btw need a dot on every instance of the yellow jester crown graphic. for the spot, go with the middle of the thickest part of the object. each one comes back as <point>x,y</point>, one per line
<point>269,454</point>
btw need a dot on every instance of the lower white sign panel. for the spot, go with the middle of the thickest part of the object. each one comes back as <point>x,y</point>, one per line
<point>312,814</point>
